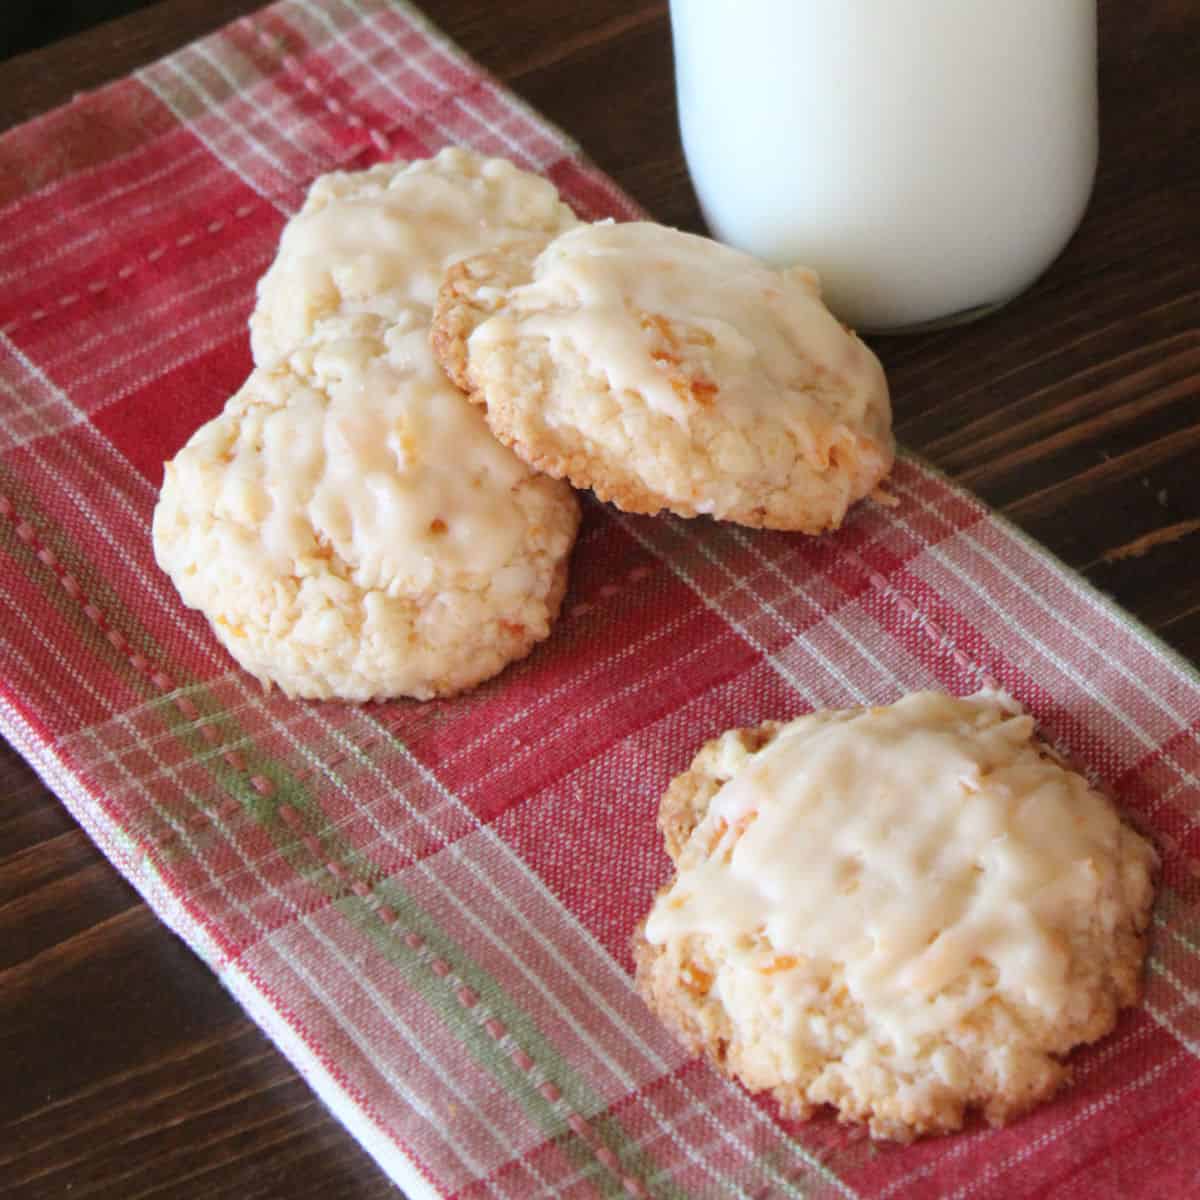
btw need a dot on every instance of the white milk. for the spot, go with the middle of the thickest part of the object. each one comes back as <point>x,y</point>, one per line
<point>927,157</point>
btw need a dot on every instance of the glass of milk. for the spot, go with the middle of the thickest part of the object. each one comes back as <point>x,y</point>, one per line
<point>929,158</point>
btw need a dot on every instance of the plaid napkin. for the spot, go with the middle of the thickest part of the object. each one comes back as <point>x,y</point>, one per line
<point>428,907</point>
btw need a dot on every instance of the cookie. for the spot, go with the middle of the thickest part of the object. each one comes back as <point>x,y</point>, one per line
<point>379,241</point>
<point>905,913</point>
<point>666,371</point>
<point>351,529</point>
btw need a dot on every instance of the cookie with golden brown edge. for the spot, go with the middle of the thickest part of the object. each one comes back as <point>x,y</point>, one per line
<point>666,371</point>
<point>351,529</point>
<point>905,913</point>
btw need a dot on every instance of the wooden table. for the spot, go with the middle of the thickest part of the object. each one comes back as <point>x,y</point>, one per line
<point>127,1071</point>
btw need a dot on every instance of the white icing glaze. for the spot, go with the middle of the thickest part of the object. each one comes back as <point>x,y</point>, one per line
<point>380,241</point>
<point>375,457</point>
<point>593,286</point>
<point>910,846</point>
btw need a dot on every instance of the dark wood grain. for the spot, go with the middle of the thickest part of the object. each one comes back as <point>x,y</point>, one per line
<point>128,1071</point>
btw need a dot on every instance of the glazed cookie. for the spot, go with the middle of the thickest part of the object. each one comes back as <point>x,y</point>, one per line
<point>903,912</point>
<point>379,241</point>
<point>351,529</point>
<point>666,371</point>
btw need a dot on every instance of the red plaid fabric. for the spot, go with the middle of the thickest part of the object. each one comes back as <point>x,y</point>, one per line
<point>428,907</point>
